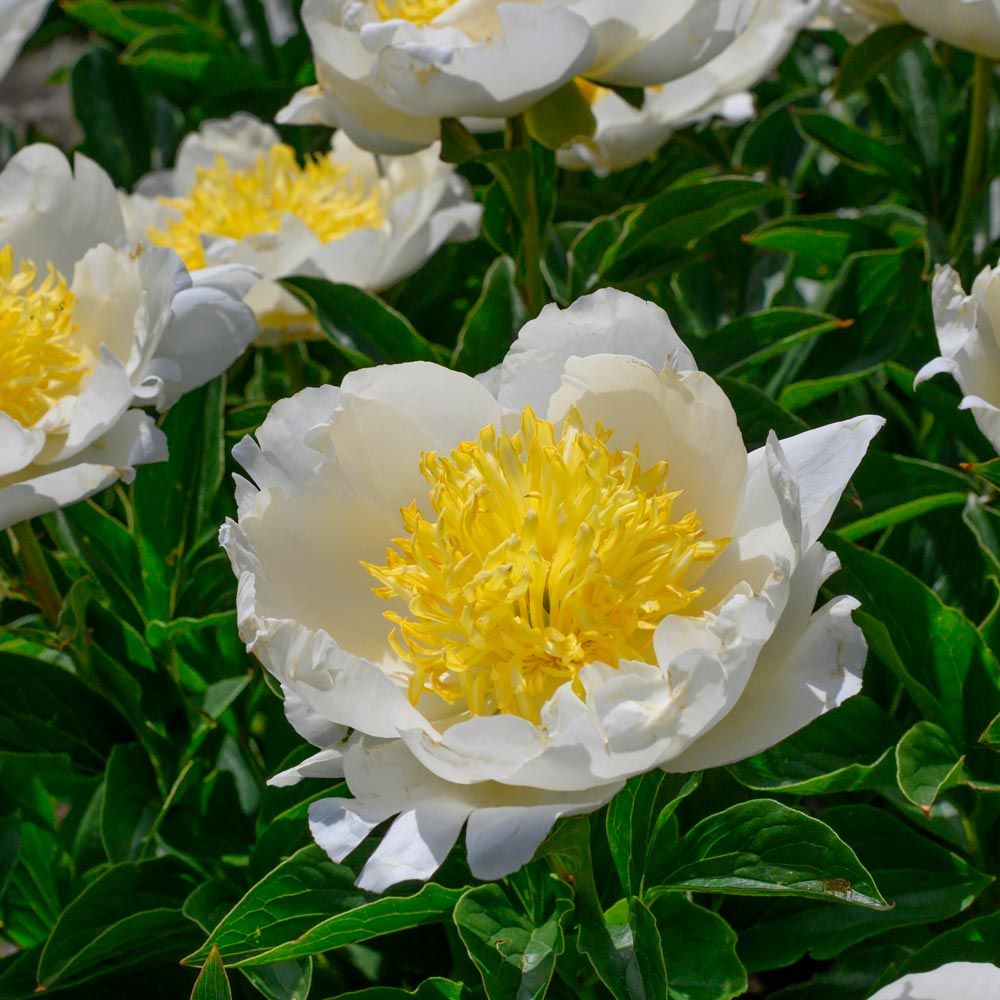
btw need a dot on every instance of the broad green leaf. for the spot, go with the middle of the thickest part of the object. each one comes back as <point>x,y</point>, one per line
<point>629,825</point>
<point>111,109</point>
<point>290,980</point>
<point>935,651</point>
<point>309,905</point>
<point>430,989</point>
<point>974,941</point>
<point>360,324</point>
<point>836,753</point>
<point>927,764</point>
<point>821,242</point>
<point>636,940</point>
<point>213,983</point>
<point>991,735</point>
<point>763,847</point>
<point>594,248</point>
<point>128,915</point>
<point>678,218</point>
<point>864,61</point>
<point>46,709</point>
<point>758,414</point>
<point>514,957</point>
<point>759,337</point>
<point>990,471</point>
<point>561,118</point>
<point>493,323</point>
<point>130,802</point>
<point>700,950</point>
<point>924,883</point>
<point>984,523</point>
<point>856,148</point>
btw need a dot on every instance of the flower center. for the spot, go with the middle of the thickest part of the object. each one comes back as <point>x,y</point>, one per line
<point>38,362</point>
<point>417,11</point>
<point>330,199</point>
<point>550,551</point>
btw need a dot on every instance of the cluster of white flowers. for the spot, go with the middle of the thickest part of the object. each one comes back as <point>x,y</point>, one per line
<point>92,328</point>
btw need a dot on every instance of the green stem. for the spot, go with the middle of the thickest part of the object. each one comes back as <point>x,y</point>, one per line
<point>530,278</point>
<point>36,571</point>
<point>982,92</point>
<point>295,367</point>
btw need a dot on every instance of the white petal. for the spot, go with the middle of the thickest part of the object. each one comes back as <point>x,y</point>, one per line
<point>239,140</point>
<point>310,725</point>
<point>607,322</point>
<point>684,419</point>
<point>50,213</point>
<point>811,664</point>
<point>18,19</point>
<point>327,764</point>
<point>955,981</point>
<point>134,440</point>
<point>18,445</point>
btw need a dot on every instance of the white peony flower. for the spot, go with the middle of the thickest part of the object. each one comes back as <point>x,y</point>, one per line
<point>627,135</point>
<point>967,330</point>
<point>238,195</point>
<point>966,24</point>
<point>590,578</point>
<point>18,20</point>
<point>89,329</point>
<point>389,70</point>
<point>955,981</point>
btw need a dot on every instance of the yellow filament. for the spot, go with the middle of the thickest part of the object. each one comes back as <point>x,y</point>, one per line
<point>38,362</point>
<point>417,11</point>
<point>549,551</point>
<point>325,195</point>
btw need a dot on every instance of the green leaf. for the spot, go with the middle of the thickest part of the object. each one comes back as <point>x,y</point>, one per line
<point>759,337</point>
<point>130,802</point>
<point>213,983</point>
<point>128,915</point>
<point>309,905</point>
<point>838,752</point>
<point>492,323</point>
<point>700,950</point>
<point>927,764</point>
<point>858,149</point>
<point>363,327</point>
<point>991,736</point>
<point>763,847</point>
<point>638,950</point>
<point>924,882</point>
<point>514,957</point>
<point>283,980</point>
<point>430,989</point>
<point>629,826</point>
<point>984,523</point>
<point>758,414</point>
<point>110,107</point>
<point>47,710</point>
<point>990,471</point>
<point>935,651</point>
<point>864,61</point>
<point>821,242</point>
<point>561,118</point>
<point>681,216</point>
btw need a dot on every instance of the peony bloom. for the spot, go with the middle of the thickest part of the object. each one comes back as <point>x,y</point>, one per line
<point>389,70</point>
<point>966,24</point>
<point>627,135</point>
<point>90,329</point>
<point>238,195</point>
<point>18,20</point>
<point>491,601</point>
<point>955,981</point>
<point>967,330</point>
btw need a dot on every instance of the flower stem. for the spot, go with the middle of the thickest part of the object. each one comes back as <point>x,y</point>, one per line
<point>36,571</point>
<point>982,92</point>
<point>529,263</point>
<point>295,368</point>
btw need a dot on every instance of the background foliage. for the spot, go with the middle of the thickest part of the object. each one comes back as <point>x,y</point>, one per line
<point>793,254</point>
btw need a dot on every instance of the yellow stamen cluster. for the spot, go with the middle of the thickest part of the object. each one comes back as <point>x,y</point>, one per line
<point>327,196</point>
<point>417,11</point>
<point>38,362</point>
<point>549,551</point>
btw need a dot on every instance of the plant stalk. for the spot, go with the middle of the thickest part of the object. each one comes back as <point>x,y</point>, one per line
<point>529,262</point>
<point>975,153</point>
<point>36,571</point>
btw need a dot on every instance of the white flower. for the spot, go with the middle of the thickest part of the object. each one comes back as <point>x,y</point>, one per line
<point>966,24</point>
<point>955,981</point>
<point>18,19</point>
<point>627,135</point>
<point>967,330</point>
<point>580,613</point>
<point>389,70</point>
<point>89,329</point>
<point>238,195</point>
